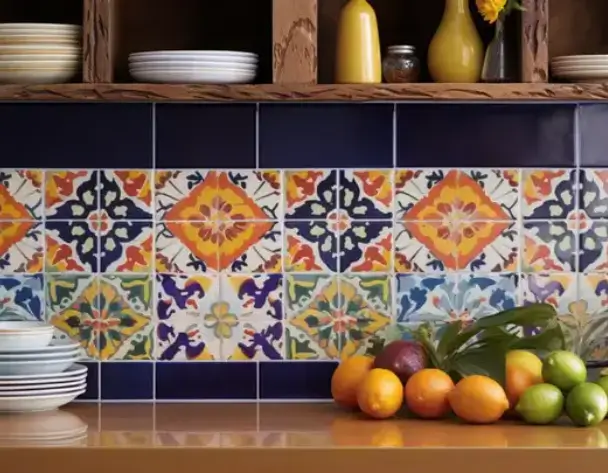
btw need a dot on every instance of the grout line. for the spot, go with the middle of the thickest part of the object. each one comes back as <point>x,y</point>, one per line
<point>153,315</point>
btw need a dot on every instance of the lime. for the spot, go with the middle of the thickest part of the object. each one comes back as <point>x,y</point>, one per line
<point>587,404</point>
<point>603,382</point>
<point>564,369</point>
<point>540,404</point>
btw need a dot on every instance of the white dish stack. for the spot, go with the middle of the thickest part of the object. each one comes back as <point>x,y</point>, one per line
<point>37,374</point>
<point>582,68</point>
<point>193,67</point>
<point>39,53</point>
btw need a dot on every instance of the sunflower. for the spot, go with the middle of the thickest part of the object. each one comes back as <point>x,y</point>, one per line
<point>491,9</point>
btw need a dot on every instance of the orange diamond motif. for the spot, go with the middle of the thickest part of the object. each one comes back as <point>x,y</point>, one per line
<point>11,233</point>
<point>456,220</point>
<point>10,209</point>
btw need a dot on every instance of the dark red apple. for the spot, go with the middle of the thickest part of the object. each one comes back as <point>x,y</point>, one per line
<point>402,357</point>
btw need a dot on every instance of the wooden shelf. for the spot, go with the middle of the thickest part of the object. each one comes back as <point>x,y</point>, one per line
<point>307,93</point>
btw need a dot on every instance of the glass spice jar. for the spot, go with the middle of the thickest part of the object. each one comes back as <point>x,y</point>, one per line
<point>401,65</point>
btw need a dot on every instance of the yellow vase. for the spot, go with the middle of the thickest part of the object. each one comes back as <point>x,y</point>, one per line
<point>456,50</point>
<point>358,59</point>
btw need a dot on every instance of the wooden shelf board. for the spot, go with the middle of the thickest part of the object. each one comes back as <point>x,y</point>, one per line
<point>307,93</point>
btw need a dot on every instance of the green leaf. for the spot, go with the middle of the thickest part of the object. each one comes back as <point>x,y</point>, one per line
<point>550,339</point>
<point>595,331</point>
<point>424,335</point>
<point>448,334</point>
<point>487,360</point>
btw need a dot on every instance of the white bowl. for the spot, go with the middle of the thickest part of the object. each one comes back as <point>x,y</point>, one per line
<point>72,372</point>
<point>37,76</point>
<point>44,391</point>
<point>56,346</point>
<point>33,58</point>
<point>68,382</point>
<point>6,357</point>
<point>22,368</point>
<point>19,335</point>
<point>168,65</point>
<point>24,326</point>
<point>209,76</point>
<point>37,403</point>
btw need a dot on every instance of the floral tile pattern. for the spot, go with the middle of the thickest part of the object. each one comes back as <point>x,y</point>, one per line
<point>549,247</point>
<point>252,195</point>
<point>419,248</point>
<point>21,247</point>
<point>72,195</point>
<point>181,302</point>
<point>548,193</point>
<point>184,195</point>
<point>20,194</point>
<point>186,247</point>
<point>487,246</point>
<point>558,289</point>
<point>594,192</point>
<point>72,246</point>
<point>21,297</point>
<point>433,186</point>
<point>310,194</point>
<point>500,186</point>
<point>126,194</point>
<point>366,194</point>
<point>126,246</point>
<point>249,318</point>
<point>593,291</point>
<point>250,247</point>
<point>310,246</point>
<point>366,247</point>
<point>593,246</point>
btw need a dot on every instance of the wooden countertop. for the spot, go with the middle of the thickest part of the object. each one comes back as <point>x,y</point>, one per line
<point>284,438</point>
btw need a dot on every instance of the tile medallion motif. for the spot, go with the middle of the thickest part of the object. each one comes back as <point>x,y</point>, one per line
<point>250,247</point>
<point>21,297</point>
<point>419,249</point>
<point>126,194</point>
<point>331,317</point>
<point>489,194</point>
<point>594,192</point>
<point>310,195</point>
<point>187,247</point>
<point>72,246</point>
<point>366,194</point>
<point>311,246</point>
<point>434,187</point>
<point>487,246</point>
<point>548,193</point>
<point>549,246</point>
<point>593,246</point>
<point>366,246</point>
<point>21,247</point>
<point>557,289</point>
<point>126,246</point>
<point>20,194</point>
<point>72,195</point>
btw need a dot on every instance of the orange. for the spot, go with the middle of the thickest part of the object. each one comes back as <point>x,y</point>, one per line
<point>478,399</point>
<point>380,394</point>
<point>347,377</point>
<point>426,393</point>
<point>524,369</point>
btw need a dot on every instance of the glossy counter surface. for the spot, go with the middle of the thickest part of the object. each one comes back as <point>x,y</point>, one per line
<point>276,437</point>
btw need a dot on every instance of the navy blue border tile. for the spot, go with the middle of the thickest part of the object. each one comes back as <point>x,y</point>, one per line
<point>222,380</point>
<point>205,136</point>
<point>296,379</point>
<point>127,380</point>
<point>76,135</point>
<point>92,392</point>
<point>326,135</point>
<point>593,123</point>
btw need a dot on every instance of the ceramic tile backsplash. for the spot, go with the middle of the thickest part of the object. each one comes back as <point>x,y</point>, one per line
<point>247,248</point>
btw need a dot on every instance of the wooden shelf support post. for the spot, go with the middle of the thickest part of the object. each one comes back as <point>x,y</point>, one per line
<point>294,41</point>
<point>535,41</point>
<point>97,61</point>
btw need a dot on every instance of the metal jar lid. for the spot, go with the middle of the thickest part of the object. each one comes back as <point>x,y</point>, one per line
<point>401,49</point>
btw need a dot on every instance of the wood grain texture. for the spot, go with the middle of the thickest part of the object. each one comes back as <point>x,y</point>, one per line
<point>97,60</point>
<point>294,38</point>
<point>307,93</point>
<point>535,41</point>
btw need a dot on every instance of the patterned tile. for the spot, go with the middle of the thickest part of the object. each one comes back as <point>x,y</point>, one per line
<point>311,246</point>
<point>126,194</point>
<point>593,291</point>
<point>548,193</point>
<point>186,247</point>
<point>72,246</point>
<point>330,317</point>
<point>366,194</point>
<point>21,247</point>
<point>21,297</point>
<point>434,187</point>
<point>487,246</point>
<point>250,247</point>
<point>310,195</point>
<point>249,318</point>
<point>453,297</point>
<point>594,192</point>
<point>593,241</point>
<point>126,246</point>
<point>366,246</point>
<point>181,302</point>
<point>492,194</point>
<point>592,304</point>
<point>424,247</point>
<point>72,306</point>
<point>558,289</point>
<point>72,195</point>
<point>20,194</point>
<point>249,195</point>
<point>549,247</point>
<point>184,195</point>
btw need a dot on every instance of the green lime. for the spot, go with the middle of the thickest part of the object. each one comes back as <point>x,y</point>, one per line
<point>540,404</point>
<point>603,382</point>
<point>564,369</point>
<point>587,404</point>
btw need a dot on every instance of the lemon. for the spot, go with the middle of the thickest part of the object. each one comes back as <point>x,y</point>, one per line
<point>587,404</point>
<point>540,404</point>
<point>564,369</point>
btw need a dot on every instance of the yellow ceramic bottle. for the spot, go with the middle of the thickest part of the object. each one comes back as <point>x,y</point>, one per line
<point>358,59</point>
<point>456,51</point>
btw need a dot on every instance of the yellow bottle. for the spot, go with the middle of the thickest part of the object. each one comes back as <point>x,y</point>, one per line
<point>358,59</point>
<point>456,50</point>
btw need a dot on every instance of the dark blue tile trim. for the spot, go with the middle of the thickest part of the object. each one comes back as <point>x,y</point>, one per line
<point>296,379</point>
<point>127,380</point>
<point>92,392</point>
<point>593,123</point>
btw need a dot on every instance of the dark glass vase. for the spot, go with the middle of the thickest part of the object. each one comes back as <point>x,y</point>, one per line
<point>499,63</point>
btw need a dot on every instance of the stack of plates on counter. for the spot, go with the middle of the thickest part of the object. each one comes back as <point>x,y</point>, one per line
<point>39,53</point>
<point>193,67</point>
<point>37,373</point>
<point>43,429</point>
<point>583,68</point>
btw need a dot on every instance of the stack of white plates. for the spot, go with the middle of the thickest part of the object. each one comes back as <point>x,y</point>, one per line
<point>193,67</point>
<point>35,374</point>
<point>583,68</point>
<point>39,53</point>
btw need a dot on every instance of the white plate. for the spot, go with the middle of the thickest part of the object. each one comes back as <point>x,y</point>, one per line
<point>40,57</point>
<point>48,76</point>
<point>73,35</point>
<point>76,441</point>
<point>201,53</point>
<point>23,326</point>
<point>73,371</point>
<point>54,347</point>
<point>34,26</point>
<point>576,57</point>
<point>572,62</point>
<point>580,68</point>
<point>194,77</point>
<point>43,357</point>
<point>21,368</point>
<point>76,381</point>
<point>192,57</point>
<point>37,403</point>
<point>43,391</point>
<point>600,74</point>
<point>192,64</point>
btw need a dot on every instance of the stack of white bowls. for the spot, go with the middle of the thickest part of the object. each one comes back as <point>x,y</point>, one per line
<point>582,68</point>
<point>36,372</point>
<point>193,67</point>
<point>39,53</point>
